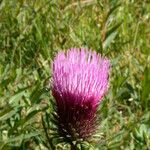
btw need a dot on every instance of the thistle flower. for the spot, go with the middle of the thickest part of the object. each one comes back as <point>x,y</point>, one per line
<point>79,82</point>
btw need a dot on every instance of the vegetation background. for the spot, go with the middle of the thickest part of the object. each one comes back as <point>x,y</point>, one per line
<point>31,34</point>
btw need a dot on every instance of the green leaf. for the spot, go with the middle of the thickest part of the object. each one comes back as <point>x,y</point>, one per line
<point>109,39</point>
<point>22,137</point>
<point>112,10</point>
<point>14,99</point>
<point>113,29</point>
<point>36,94</point>
<point>8,114</point>
<point>5,111</point>
<point>145,93</point>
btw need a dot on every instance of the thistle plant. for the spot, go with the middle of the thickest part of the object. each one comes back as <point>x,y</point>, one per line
<point>79,83</point>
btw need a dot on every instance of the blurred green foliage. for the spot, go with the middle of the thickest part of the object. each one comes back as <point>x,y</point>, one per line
<point>32,32</point>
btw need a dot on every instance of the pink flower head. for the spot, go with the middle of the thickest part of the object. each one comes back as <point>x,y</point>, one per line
<point>79,82</point>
